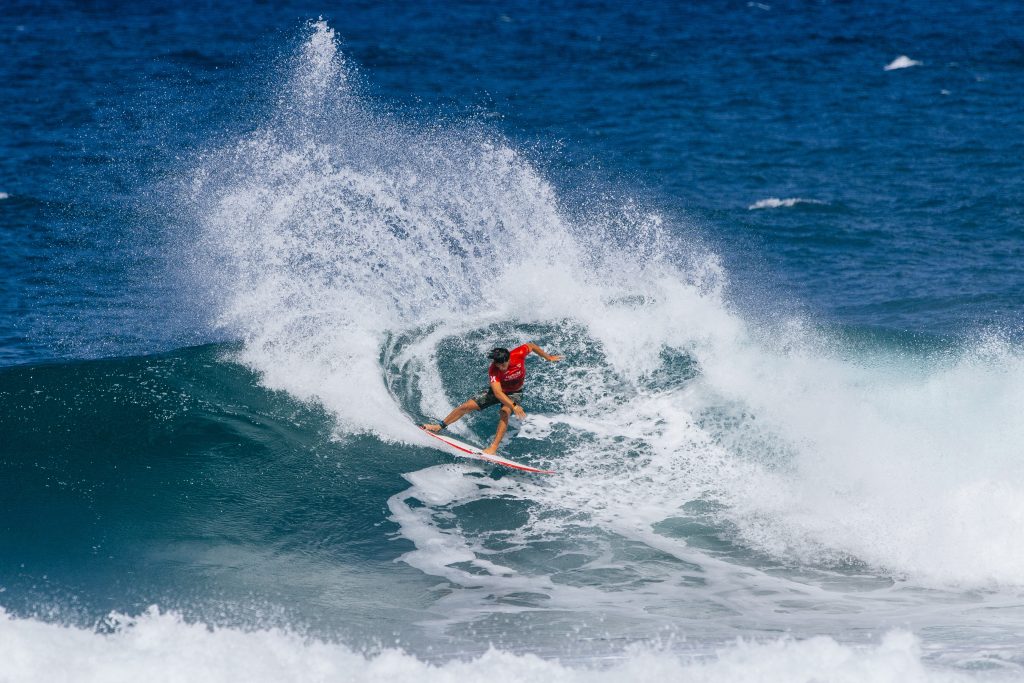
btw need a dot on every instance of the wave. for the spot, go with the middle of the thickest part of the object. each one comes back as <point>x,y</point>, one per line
<point>774,203</point>
<point>902,62</point>
<point>367,261</point>
<point>133,647</point>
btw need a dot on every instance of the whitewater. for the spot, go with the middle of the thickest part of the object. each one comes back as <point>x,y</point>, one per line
<point>740,494</point>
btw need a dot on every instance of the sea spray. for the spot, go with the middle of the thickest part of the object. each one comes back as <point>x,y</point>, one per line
<point>333,226</point>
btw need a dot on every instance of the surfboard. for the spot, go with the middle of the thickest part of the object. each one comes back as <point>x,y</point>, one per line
<point>465,450</point>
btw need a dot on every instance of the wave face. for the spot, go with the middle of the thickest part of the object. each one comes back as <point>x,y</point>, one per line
<point>721,472</point>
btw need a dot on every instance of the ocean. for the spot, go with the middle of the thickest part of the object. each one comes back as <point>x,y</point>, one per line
<point>249,246</point>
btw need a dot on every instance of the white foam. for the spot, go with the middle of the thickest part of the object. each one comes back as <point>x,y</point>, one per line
<point>913,470</point>
<point>160,647</point>
<point>902,62</point>
<point>4,195</point>
<point>437,549</point>
<point>775,203</point>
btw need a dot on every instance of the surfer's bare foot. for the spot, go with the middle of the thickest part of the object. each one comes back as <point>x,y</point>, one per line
<point>491,450</point>
<point>431,428</point>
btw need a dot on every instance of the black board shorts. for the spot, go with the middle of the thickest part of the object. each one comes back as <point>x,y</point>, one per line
<point>486,398</point>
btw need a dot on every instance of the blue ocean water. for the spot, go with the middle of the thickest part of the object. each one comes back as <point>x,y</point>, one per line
<point>247,245</point>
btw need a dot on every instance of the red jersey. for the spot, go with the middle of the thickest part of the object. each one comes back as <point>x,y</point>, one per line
<point>515,375</point>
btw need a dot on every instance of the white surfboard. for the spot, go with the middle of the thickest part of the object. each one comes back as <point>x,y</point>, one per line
<point>465,450</point>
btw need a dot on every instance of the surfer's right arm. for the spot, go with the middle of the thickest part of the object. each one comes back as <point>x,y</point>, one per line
<point>499,394</point>
<point>551,358</point>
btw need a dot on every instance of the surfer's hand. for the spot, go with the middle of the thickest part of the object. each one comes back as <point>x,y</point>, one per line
<point>431,428</point>
<point>518,410</point>
<point>554,359</point>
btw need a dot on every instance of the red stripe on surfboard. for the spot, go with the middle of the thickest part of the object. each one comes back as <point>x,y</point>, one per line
<point>483,456</point>
<point>514,465</point>
<point>453,445</point>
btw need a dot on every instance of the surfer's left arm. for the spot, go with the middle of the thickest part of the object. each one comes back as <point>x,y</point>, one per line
<point>540,352</point>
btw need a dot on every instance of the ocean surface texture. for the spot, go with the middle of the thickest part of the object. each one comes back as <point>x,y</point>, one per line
<point>247,246</point>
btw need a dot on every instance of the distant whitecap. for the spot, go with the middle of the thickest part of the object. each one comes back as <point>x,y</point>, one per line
<point>902,62</point>
<point>4,195</point>
<point>775,202</point>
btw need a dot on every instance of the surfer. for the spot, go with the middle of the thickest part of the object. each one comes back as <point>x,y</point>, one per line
<point>507,374</point>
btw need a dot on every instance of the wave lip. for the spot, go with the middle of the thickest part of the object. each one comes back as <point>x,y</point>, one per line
<point>902,62</point>
<point>775,203</point>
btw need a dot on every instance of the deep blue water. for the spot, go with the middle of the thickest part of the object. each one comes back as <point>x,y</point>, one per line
<point>241,248</point>
<point>706,109</point>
